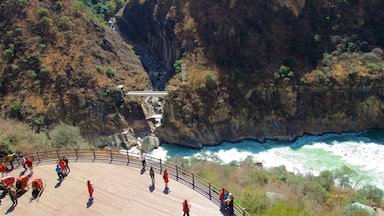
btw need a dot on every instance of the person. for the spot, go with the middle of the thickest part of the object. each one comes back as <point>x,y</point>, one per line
<point>59,172</point>
<point>90,189</point>
<point>3,170</point>
<point>165,177</point>
<point>229,201</point>
<point>66,164</point>
<point>10,158</point>
<point>186,208</point>
<point>23,160</point>
<point>12,196</point>
<point>63,167</point>
<point>142,157</point>
<point>221,198</point>
<point>29,164</point>
<point>37,186</point>
<point>152,174</point>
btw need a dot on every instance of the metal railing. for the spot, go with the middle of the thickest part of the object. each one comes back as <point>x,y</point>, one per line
<point>181,175</point>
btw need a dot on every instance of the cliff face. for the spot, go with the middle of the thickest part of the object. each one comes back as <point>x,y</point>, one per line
<point>59,64</point>
<point>264,69</point>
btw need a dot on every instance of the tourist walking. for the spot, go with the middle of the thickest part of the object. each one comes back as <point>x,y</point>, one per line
<point>13,196</point>
<point>186,208</point>
<point>66,164</point>
<point>10,158</point>
<point>142,157</point>
<point>166,178</point>
<point>23,160</point>
<point>152,174</point>
<point>29,164</point>
<point>59,172</point>
<point>63,166</point>
<point>90,189</point>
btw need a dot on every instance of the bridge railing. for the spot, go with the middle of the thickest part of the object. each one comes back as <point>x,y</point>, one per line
<point>181,175</point>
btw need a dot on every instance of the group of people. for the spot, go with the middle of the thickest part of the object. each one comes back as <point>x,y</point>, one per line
<point>16,186</point>
<point>62,168</point>
<point>226,199</point>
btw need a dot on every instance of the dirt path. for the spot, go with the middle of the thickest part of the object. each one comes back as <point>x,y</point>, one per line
<point>119,190</point>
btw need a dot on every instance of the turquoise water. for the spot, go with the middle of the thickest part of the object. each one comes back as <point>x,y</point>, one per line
<point>363,152</point>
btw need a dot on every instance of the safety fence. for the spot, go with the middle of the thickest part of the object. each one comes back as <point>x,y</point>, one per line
<point>181,175</point>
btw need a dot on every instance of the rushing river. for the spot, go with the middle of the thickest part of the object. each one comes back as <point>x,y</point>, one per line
<point>362,152</point>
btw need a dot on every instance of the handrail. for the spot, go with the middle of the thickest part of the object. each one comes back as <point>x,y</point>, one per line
<point>181,175</point>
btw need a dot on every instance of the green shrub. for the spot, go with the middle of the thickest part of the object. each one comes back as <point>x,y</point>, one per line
<point>68,35</point>
<point>254,201</point>
<point>64,136</point>
<point>42,12</point>
<point>99,68</point>
<point>65,22</point>
<point>210,76</point>
<point>177,65</point>
<point>285,71</point>
<point>45,21</point>
<point>8,53</point>
<point>44,69</point>
<point>31,74</point>
<point>110,72</point>
<point>21,2</point>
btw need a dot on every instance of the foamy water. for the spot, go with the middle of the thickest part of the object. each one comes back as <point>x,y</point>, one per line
<point>362,152</point>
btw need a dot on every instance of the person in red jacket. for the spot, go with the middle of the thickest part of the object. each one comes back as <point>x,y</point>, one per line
<point>186,208</point>
<point>166,178</point>
<point>90,189</point>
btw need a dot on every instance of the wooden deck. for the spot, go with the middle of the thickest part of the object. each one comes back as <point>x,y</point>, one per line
<point>119,190</point>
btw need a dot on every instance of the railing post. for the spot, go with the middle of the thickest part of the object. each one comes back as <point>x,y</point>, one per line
<point>94,154</point>
<point>127,157</point>
<point>76,153</point>
<point>177,173</point>
<point>244,212</point>
<point>193,180</point>
<point>161,166</point>
<point>57,153</point>
<point>38,156</point>
<point>209,188</point>
<point>110,153</point>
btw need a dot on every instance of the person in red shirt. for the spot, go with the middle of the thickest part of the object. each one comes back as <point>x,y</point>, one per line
<point>29,164</point>
<point>166,178</point>
<point>221,198</point>
<point>90,189</point>
<point>3,170</point>
<point>186,208</point>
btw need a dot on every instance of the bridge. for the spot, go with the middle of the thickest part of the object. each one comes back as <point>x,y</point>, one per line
<point>147,93</point>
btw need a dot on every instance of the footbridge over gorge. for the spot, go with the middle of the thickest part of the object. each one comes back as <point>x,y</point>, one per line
<point>152,105</point>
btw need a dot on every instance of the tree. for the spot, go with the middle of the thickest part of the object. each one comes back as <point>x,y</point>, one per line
<point>344,177</point>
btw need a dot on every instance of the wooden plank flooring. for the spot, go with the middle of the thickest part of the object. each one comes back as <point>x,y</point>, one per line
<point>119,190</point>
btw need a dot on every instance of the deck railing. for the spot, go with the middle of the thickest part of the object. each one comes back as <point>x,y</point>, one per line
<point>181,175</point>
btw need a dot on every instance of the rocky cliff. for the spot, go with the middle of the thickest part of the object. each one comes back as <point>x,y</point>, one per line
<point>58,62</point>
<point>264,69</point>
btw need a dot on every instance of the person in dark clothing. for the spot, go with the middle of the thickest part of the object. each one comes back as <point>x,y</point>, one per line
<point>12,196</point>
<point>67,164</point>
<point>152,174</point>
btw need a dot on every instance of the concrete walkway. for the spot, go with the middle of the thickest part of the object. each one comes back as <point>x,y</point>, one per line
<point>119,190</point>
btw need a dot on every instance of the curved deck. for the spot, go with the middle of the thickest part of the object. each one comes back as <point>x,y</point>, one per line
<point>119,190</point>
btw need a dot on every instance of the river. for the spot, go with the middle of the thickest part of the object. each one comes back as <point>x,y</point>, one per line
<point>362,152</point>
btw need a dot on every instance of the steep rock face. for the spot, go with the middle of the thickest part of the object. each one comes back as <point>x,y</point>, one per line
<point>265,69</point>
<point>59,64</point>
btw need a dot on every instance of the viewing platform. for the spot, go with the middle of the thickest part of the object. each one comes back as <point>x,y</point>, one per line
<point>121,187</point>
